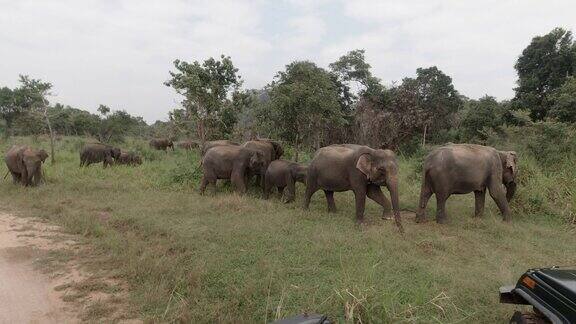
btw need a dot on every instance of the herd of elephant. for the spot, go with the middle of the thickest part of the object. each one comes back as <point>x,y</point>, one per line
<point>450,169</point>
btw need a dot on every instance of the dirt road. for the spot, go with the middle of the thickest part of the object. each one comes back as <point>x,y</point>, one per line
<point>26,294</point>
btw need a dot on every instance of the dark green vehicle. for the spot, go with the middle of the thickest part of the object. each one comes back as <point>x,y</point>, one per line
<point>550,291</point>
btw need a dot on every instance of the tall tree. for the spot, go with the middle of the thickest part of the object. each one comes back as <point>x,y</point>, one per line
<point>32,96</point>
<point>205,87</point>
<point>303,102</point>
<point>543,67</point>
<point>563,101</point>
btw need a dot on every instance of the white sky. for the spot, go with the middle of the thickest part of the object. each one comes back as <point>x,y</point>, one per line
<point>119,53</point>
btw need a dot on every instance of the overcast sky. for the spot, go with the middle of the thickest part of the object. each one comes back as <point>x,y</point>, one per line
<point>119,53</point>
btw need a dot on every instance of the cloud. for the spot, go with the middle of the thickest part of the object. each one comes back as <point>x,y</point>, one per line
<point>119,52</point>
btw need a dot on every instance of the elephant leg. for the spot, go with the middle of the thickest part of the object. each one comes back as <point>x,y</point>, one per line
<point>497,193</point>
<point>203,184</point>
<point>237,179</point>
<point>290,192</point>
<point>280,191</point>
<point>479,199</point>
<point>360,197</point>
<point>330,201</point>
<point>425,194</point>
<point>267,187</point>
<point>15,177</point>
<point>441,217</point>
<point>311,188</point>
<point>375,193</point>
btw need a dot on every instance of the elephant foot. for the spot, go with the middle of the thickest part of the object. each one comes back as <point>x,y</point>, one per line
<point>441,220</point>
<point>387,216</point>
<point>420,219</point>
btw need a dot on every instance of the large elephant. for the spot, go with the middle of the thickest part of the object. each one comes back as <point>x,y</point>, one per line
<point>363,170</point>
<point>465,168</point>
<point>272,151</point>
<point>25,164</point>
<point>210,144</point>
<point>283,175</point>
<point>230,162</point>
<point>161,144</point>
<point>98,152</point>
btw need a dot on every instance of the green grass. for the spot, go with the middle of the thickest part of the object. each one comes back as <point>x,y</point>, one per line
<point>231,258</point>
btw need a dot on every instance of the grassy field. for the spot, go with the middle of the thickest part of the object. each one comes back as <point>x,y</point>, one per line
<point>240,259</point>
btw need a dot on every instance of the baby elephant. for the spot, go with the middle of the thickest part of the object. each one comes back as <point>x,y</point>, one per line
<point>129,158</point>
<point>25,164</point>
<point>284,174</point>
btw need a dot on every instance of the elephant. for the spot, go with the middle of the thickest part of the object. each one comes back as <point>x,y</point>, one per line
<point>25,164</point>
<point>187,144</point>
<point>210,144</point>
<point>272,151</point>
<point>98,152</point>
<point>283,175</point>
<point>466,168</point>
<point>343,167</point>
<point>161,144</point>
<point>230,162</point>
<point>129,158</point>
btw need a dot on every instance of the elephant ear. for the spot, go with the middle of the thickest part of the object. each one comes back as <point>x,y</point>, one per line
<point>278,150</point>
<point>364,164</point>
<point>512,161</point>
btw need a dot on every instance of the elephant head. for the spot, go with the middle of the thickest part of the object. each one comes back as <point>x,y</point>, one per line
<point>509,161</point>
<point>115,152</point>
<point>278,150</point>
<point>30,164</point>
<point>381,168</point>
<point>257,163</point>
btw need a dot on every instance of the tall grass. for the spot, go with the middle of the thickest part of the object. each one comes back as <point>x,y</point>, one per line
<point>232,258</point>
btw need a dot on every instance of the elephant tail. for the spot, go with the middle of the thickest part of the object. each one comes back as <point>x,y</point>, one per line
<point>6,174</point>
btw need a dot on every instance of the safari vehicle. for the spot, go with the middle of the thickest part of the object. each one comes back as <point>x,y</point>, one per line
<point>550,291</point>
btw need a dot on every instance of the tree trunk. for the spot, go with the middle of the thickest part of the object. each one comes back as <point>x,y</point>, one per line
<point>52,158</point>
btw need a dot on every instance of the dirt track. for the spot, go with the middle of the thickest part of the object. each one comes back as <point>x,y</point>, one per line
<point>26,294</point>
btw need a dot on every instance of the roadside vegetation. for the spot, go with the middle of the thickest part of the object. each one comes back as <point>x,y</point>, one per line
<point>239,258</point>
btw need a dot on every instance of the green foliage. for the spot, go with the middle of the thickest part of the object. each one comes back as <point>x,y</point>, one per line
<point>205,88</point>
<point>563,101</point>
<point>480,117</point>
<point>543,67</point>
<point>304,101</point>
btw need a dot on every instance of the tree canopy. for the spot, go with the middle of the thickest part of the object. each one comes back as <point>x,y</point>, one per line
<point>543,67</point>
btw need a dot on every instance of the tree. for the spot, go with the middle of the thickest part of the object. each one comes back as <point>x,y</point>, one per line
<point>205,88</point>
<point>481,115</point>
<point>563,101</point>
<point>352,68</point>
<point>304,101</point>
<point>31,97</point>
<point>103,109</point>
<point>543,67</point>
<point>8,108</point>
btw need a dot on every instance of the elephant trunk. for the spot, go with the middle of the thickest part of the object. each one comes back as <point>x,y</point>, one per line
<point>510,190</point>
<point>30,172</point>
<point>392,184</point>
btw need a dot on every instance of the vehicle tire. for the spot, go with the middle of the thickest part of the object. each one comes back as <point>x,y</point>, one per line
<point>527,318</point>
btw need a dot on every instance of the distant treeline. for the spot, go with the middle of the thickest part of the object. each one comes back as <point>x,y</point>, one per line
<point>308,106</point>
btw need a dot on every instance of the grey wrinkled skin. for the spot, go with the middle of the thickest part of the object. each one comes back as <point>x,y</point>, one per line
<point>272,151</point>
<point>210,144</point>
<point>129,158</point>
<point>187,144</point>
<point>466,168</point>
<point>283,175</point>
<point>230,162</point>
<point>25,164</point>
<point>98,152</point>
<point>359,168</point>
<point>161,144</point>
